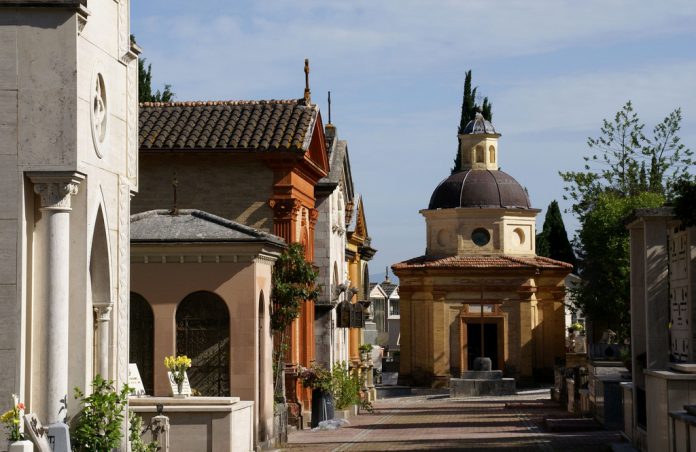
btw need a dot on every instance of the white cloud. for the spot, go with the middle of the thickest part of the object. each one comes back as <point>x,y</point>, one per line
<point>395,70</point>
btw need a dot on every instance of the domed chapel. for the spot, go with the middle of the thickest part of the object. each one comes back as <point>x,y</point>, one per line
<point>480,289</point>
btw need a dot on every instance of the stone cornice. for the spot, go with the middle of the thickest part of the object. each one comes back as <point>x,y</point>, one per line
<point>55,188</point>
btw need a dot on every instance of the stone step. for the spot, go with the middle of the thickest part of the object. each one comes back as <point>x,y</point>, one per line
<point>386,392</point>
<point>572,424</point>
<point>528,405</point>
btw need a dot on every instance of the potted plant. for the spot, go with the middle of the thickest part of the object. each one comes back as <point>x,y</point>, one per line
<point>12,420</point>
<point>345,389</point>
<point>365,350</point>
<point>318,379</point>
<point>177,367</point>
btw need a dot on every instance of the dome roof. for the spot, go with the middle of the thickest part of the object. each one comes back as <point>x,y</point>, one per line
<point>479,188</point>
<point>479,125</point>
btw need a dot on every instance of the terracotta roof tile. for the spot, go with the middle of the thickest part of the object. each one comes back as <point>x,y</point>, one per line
<point>483,262</point>
<point>264,125</point>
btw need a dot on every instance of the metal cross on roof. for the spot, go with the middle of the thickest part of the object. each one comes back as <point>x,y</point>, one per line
<point>307,92</point>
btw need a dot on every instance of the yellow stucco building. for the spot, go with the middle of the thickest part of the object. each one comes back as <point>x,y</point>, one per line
<point>480,289</point>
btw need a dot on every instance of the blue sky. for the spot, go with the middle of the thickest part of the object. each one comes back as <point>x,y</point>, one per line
<point>553,69</point>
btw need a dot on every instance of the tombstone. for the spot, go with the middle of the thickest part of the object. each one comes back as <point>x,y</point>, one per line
<point>36,433</point>
<point>186,388</point>
<point>134,380</point>
<point>59,437</point>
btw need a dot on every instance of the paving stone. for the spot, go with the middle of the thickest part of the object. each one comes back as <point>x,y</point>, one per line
<point>443,423</point>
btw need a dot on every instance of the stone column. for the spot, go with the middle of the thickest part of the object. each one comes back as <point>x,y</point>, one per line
<point>103,317</point>
<point>55,190</point>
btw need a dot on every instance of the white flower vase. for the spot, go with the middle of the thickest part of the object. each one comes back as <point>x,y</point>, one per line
<point>21,446</point>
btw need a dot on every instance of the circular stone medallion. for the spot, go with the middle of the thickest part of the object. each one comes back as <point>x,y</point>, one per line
<point>99,113</point>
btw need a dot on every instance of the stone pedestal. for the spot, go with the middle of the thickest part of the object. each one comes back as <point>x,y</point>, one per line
<point>160,432</point>
<point>482,381</point>
<point>203,423</point>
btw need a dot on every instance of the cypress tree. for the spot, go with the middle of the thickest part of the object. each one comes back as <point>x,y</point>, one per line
<point>469,109</point>
<point>553,241</point>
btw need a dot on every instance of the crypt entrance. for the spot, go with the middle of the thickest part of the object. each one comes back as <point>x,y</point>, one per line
<point>470,338</point>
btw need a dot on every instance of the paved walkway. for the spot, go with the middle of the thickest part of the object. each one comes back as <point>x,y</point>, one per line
<point>439,423</point>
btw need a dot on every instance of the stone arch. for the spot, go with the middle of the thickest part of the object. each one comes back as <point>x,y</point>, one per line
<point>491,154</point>
<point>100,293</point>
<point>99,268</point>
<point>203,334</point>
<point>480,158</point>
<point>142,339</point>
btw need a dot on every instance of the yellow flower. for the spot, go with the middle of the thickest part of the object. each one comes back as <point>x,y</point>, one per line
<point>7,416</point>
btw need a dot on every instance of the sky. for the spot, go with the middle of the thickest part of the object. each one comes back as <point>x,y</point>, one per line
<point>552,69</point>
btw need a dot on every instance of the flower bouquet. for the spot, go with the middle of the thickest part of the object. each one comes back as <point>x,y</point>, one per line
<point>177,366</point>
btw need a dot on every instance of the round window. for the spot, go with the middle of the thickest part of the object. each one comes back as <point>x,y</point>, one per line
<point>480,237</point>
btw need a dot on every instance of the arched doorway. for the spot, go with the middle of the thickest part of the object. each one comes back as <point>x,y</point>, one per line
<point>142,336</point>
<point>203,334</point>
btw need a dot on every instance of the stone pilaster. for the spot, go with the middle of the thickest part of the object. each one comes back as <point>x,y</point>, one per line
<point>56,190</point>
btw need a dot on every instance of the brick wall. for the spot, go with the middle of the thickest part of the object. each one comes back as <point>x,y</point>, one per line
<point>220,184</point>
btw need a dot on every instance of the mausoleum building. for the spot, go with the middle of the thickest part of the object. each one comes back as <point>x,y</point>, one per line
<point>68,169</point>
<point>480,289</point>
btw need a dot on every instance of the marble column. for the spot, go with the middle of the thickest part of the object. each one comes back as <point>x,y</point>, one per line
<point>56,190</point>
<point>103,317</point>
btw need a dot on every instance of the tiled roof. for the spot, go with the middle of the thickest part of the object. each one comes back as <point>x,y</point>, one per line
<point>158,226</point>
<point>264,125</point>
<point>482,262</point>
<point>388,287</point>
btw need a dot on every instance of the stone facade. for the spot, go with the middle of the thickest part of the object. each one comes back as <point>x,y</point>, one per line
<point>237,272</point>
<point>662,326</point>
<point>68,168</point>
<point>333,193</point>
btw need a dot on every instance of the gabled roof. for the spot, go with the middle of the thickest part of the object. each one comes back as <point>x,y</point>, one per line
<point>482,262</point>
<point>188,225</point>
<point>376,291</point>
<point>263,125</point>
<point>389,288</point>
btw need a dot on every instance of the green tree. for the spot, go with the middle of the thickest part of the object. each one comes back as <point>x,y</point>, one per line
<point>626,170</point>
<point>627,162</point>
<point>294,282</point>
<point>145,85</point>
<point>604,295</point>
<point>684,202</point>
<point>469,109</point>
<point>553,240</point>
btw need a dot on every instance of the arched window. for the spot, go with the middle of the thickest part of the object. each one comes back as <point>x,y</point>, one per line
<point>203,334</point>
<point>142,335</point>
<point>491,154</point>
<point>479,154</point>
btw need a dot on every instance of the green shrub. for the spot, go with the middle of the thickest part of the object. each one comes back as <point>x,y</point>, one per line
<point>345,386</point>
<point>98,426</point>
<point>135,430</point>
